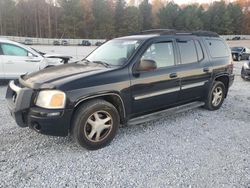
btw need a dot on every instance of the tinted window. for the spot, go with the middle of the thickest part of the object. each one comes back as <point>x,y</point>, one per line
<point>162,53</point>
<point>12,50</point>
<point>187,51</point>
<point>199,50</point>
<point>217,48</point>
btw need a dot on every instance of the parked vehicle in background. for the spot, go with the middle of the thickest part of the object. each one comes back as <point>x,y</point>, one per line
<point>240,53</point>
<point>98,43</point>
<point>28,41</point>
<point>17,59</point>
<point>85,43</point>
<point>130,79</point>
<point>236,38</point>
<point>245,71</point>
<point>56,43</point>
<point>65,43</point>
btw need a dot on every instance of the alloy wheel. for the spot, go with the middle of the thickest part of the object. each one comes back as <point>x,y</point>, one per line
<point>217,96</point>
<point>98,126</point>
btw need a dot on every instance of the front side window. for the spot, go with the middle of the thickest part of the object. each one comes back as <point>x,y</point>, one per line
<point>115,52</point>
<point>13,50</point>
<point>162,53</point>
<point>187,51</point>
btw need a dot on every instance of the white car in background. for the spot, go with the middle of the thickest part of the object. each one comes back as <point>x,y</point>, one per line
<point>17,59</point>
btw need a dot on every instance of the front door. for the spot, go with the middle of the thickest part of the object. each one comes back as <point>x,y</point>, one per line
<point>18,61</point>
<point>155,89</point>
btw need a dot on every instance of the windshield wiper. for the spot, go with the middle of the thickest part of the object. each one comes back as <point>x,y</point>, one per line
<point>101,63</point>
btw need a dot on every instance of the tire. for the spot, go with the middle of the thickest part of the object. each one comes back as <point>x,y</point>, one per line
<point>242,74</point>
<point>210,102</point>
<point>89,120</point>
<point>239,58</point>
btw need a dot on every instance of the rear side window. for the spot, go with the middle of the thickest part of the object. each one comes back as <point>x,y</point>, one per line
<point>187,51</point>
<point>217,48</point>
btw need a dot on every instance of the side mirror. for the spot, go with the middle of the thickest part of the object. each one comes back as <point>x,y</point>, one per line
<point>30,54</point>
<point>146,65</point>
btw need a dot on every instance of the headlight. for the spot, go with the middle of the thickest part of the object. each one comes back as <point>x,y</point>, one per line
<point>51,99</point>
<point>246,65</point>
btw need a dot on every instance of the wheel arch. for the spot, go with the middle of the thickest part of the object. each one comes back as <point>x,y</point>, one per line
<point>111,97</point>
<point>224,78</point>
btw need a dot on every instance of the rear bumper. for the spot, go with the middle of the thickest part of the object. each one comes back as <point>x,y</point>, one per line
<point>44,121</point>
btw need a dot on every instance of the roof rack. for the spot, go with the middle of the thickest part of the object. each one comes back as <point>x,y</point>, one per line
<point>178,32</point>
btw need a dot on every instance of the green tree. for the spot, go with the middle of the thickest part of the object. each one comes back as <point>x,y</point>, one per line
<point>237,17</point>
<point>7,17</point>
<point>72,20</point>
<point>119,17</point>
<point>168,15</point>
<point>132,20</point>
<point>190,18</point>
<point>146,13</point>
<point>218,18</point>
<point>104,19</point>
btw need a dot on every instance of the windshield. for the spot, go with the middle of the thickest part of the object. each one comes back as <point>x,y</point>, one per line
<point>238,49</point>
<point>115,52</point>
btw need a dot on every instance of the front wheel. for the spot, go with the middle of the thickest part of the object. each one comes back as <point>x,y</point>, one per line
<point>216,96</point>
<point>239,58</point>
<point>95,124</point>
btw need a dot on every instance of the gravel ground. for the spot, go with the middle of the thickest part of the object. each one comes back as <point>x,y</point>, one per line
<point>197,148</point>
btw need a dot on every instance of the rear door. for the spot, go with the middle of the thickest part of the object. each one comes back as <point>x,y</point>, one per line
<point>196,71</point>
<point>18,61</point>
<point>155,89</point>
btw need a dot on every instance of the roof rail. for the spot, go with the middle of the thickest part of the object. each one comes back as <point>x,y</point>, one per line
<point>178,32</point>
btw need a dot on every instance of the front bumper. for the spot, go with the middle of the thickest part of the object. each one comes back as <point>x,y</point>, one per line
<point>245,73</point>
<point>44,121</point>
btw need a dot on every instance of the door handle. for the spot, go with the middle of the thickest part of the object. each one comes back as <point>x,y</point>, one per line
<point>206,69</point>
<point>32,60</point>
<point>173,75</point>
<point>10,62</point>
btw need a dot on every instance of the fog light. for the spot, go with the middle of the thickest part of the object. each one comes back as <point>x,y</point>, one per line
<point>52,114</point>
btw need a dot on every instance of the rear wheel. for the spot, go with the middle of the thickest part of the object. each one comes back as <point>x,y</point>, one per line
<point>95,124</point>
<point>216,96</point>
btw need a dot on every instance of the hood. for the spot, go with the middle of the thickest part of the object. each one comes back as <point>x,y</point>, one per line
<point>46,77</point>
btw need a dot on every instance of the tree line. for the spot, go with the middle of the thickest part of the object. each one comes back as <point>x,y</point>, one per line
<point>112,18</point>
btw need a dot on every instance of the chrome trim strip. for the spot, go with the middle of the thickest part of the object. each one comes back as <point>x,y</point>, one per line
<point>165,91</point>
<point>14,87</point>
<point>188,86</point>
<point>100,95</point>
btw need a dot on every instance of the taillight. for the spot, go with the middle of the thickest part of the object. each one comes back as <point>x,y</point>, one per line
<point>231,68</point>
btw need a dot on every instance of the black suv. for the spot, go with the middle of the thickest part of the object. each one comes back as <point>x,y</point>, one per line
<point>127,80</point>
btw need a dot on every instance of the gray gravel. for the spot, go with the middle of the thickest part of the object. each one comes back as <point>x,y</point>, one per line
<point>197,148</point>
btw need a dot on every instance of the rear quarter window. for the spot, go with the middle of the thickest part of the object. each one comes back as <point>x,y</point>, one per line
<point>217,48</point>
